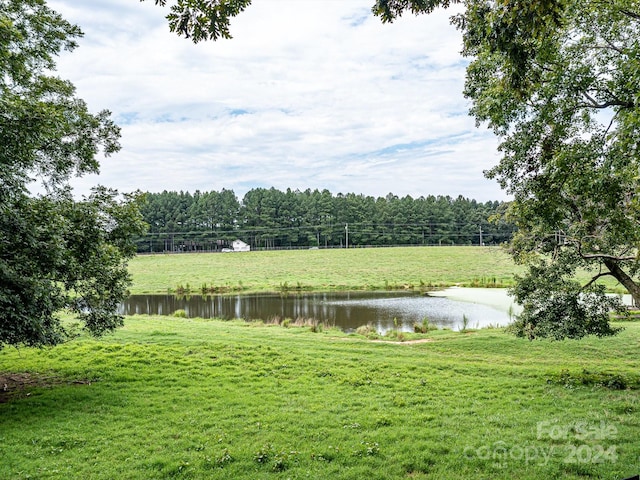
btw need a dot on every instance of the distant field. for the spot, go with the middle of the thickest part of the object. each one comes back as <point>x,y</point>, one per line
<point>356,268</point>
<point>192,399</point>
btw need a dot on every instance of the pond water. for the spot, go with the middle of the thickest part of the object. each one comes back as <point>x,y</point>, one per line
<point>346,310</point>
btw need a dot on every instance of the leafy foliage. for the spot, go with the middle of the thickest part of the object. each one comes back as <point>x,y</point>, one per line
<point>569,130</point>
<point>203,19</point>
<point>556,306</point>
<point>55,252</point>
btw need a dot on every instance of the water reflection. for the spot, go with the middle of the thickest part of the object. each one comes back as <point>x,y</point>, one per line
<point>346,310</point>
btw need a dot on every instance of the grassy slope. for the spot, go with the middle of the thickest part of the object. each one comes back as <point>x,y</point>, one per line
<point>178,398</point>
<point>323,269</point>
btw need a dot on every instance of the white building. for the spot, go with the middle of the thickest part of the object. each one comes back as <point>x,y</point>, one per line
<point>240,246</point>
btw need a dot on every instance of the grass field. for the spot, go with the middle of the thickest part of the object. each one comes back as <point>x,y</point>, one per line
<point>176,398</point>
<point>356,268</point>
<point>168,397</point>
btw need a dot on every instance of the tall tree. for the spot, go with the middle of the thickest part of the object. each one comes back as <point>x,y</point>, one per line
<point>557,81</point>
<point>55,252</point>
<point>568,118</point>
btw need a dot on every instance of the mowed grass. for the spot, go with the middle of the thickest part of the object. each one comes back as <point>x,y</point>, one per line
<point>187,398</point>
<point>171,397</point>
<point>346,269</point>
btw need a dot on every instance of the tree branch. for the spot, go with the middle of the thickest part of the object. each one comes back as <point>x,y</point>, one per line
<point>602,256</point>
<point>614,46</point>
<point>629,13</point>
<point>593,103</point>
<point>593,280</point>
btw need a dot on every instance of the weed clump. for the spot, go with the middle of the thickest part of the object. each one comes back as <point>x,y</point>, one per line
<point>465,323</point>
<point>612,381</point>
<point>367,330</point>
<point>424,326</point>
<point>212,289</point>
<point>316,327</point>
<point>368,449</point>
<point>485,282</point>
<point>221,460</point>
<point>284,287</point>
<point>280,461</point>
<point>263,455</point>
<point>396,335</point>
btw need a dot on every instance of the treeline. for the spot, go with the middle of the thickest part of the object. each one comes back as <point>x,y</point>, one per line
<point>270,219</point>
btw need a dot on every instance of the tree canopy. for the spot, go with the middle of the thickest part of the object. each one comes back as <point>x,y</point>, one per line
<point>270,218</point>
<point>568,122</point>
<point>55,252</point>
<point>558,82</point>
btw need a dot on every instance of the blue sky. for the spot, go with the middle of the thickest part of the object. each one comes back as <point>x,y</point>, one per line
<point>308,94</point>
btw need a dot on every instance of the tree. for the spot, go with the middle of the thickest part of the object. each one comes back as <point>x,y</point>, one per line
<point>558,82</point>
<point>568,118</point>
<point>55,252</point>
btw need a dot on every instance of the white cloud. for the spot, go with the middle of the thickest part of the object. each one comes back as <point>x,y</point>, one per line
<point>308,94</point>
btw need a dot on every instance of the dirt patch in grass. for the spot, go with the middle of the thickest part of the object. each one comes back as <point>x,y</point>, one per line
<point>14,385</point>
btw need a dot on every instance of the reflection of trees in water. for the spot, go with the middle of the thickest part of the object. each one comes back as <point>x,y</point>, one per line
<point>346,310</point>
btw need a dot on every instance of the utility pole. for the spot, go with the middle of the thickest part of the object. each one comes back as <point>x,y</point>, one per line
<point>346,229</point>
<point>481,243</point>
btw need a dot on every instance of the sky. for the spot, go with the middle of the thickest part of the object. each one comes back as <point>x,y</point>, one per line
<point>312,94</point>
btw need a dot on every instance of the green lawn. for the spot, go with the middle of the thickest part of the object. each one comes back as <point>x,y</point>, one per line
<point>168,397</point>
<point>356,268</point>
<point>177,398</point>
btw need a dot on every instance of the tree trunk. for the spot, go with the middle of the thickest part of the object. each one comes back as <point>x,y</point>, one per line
<point>632,287</point>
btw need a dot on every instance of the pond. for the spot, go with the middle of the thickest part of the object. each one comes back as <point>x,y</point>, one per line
<point>346,310</point>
